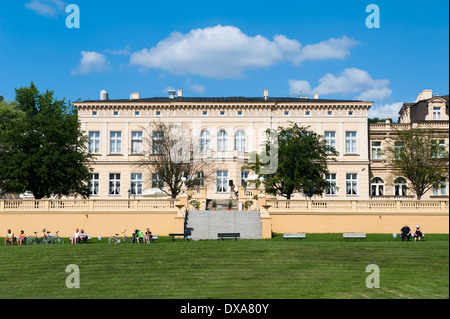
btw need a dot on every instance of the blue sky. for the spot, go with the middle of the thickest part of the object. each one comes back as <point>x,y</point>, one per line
<point>233,48</point>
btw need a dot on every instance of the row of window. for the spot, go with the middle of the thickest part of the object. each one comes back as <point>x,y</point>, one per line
<point>377,187</point>
<point>438,149</point>
<point>115,145</point>
<point>223,113</point>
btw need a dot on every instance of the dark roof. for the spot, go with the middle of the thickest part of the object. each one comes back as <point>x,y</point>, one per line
<point>419,110</point>
<point>222,99</point>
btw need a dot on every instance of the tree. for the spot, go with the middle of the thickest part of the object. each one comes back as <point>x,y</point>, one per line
<point>171,154</point>
<point>302,163</point>
<point>420,156</point>
<point>42,147</point>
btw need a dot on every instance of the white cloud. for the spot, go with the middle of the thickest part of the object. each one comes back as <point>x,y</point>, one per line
<point>47,8</point>
<point>197,88</point>
<point>351,81</point>
<point>91,61</point>
<point>383,110</point>
<point>226,52</point>
<point>325,50</point>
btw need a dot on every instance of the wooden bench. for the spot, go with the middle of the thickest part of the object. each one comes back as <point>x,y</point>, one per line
<point>359,236</point>
<point>228,235</point>
<point>176,236</point>
<point>153,238</point>
<point>300,236</point>
<point>88,237</point>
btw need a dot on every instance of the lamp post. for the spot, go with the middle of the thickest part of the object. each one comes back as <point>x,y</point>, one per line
<point>129,194</point>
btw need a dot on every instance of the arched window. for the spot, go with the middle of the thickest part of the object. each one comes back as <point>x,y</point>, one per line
<point>400,187</point>
<point>222,141</point>
<point>377,186</point>
<point>239,141</point>
<point>205,141</point>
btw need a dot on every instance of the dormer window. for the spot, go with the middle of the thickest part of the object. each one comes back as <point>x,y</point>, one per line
<point>437,113</point>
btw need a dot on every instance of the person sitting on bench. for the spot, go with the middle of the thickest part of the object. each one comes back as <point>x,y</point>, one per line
<point>406,232</point>
<point>83,236</point>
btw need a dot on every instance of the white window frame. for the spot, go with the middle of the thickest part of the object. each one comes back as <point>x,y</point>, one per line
<point>330,138</point>
<point>205,141</point>
<point>332,178</point>
<point>94,185</point>
<point>114,184</point>
<point>222,182</point>
<point>94,142</point>
<point>437,115</point>
<point>440,188</point>
<point>377,187</point>
<point>351,142</point>
<point>400,189</point>
<point>222,141</point>
<point>351,184</point>
<point>136,142</point>
<point>376,150</point>
<point>136,183</point>
<point>239,141</point>
<point>115,145</point>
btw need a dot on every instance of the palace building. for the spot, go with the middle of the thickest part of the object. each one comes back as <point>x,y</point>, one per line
<point>228,129</point>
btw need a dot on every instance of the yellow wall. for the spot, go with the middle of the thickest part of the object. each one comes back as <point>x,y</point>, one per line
<point>94,224</point>
<point>364,223</point>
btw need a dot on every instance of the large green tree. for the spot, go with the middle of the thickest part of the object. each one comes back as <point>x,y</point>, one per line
<point>302,163</point>
<point>421,156</point>
<point>42,147</point>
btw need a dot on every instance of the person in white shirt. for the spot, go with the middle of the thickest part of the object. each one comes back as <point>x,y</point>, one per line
<point>76,236</point>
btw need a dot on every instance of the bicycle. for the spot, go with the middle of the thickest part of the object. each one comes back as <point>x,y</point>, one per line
<point>116,240</point>
<point>45,239</point>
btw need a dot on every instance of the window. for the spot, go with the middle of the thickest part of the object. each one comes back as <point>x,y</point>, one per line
<point>436,113</point>
<point>115,113</point>
<point>222,141</point>
<point>350,142</point>
<point>94,113</point>
<point>114,184</point>
<point>136,184</point>
<point>94,142</point>
<point>330,140</point>
<point>222,113</point>
<point>204,113</point>
<point>377,186</point>
<point>239,141</point>
<point>307,113</point>
<point>157,143</point>
<point>136,142</point>
<point>158,113</point>
<point>330,113</point>
<point>332,190</point>
<point>239,113</point>
<point>352,184</point>
<point>137,113</point>
<point>400,187</point>
<point>440,188</point>
<point>205,141</point>
<point>376,150</point>
<point>157,181</point>
<point>222,181</point>
<point>244,176</point>
<point>438,149</point>
<point>115,146</point>
<point>399,149</point>
<point>94,184</point>
<point>286,113</point>
<point>199,179</point>
<point>350,113</point>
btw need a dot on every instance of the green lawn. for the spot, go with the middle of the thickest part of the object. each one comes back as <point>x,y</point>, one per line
<point>322,266</point>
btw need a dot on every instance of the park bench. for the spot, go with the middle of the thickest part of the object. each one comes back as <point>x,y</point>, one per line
<point>153,238</point>
<point>359,236</point>
<point>228,235</point>
<point>300,236</point>
<point>178,235</point>
<point>88,237</point>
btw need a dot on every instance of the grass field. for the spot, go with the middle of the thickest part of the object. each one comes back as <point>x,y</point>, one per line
<point>322,266</point>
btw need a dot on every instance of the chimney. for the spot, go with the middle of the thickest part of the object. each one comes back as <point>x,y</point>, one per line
<point>171,94</point>
<point>316,96</point>
<point>135,96</point>
<point>180,93</point>
<point>103,95</point>
<point>266,94</point>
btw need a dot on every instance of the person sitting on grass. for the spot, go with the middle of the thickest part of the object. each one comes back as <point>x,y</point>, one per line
<point>147,236</point>
<point>9,238</point>
<point>418,233</point>
<point>406,232</point>
<point>21,238</point>
<point>76,236</point>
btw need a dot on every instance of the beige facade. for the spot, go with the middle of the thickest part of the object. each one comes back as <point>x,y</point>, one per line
<point>231,128</point>
<point>427,112</point>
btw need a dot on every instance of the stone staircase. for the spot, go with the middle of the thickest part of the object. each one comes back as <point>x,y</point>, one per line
<point>207,223</point>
